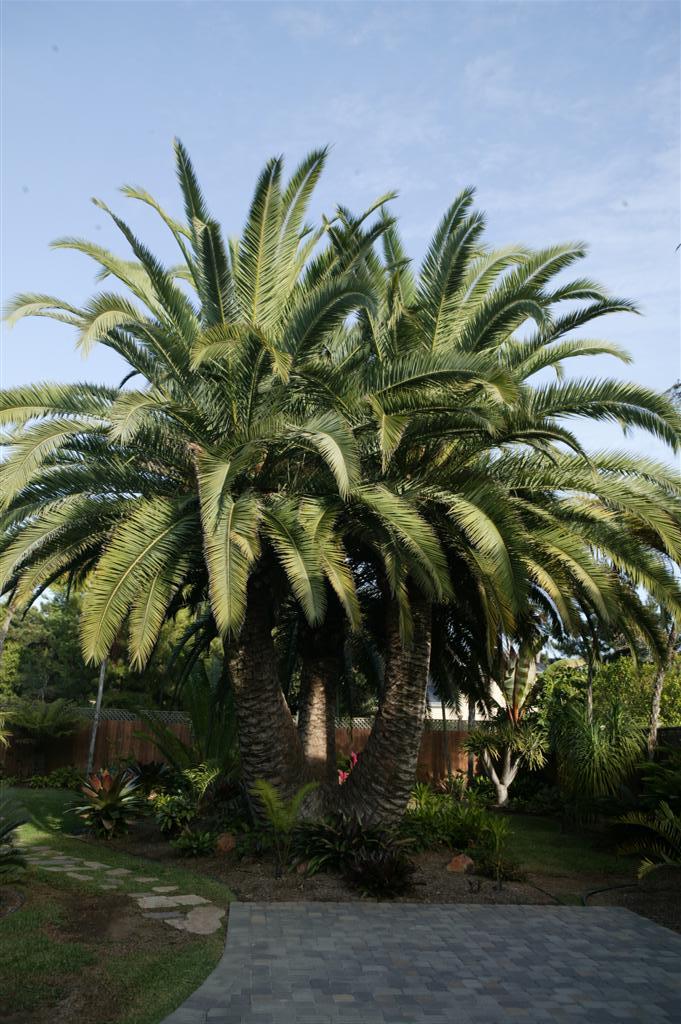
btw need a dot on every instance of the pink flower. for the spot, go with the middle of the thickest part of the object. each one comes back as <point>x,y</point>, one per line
<point>342,776</point>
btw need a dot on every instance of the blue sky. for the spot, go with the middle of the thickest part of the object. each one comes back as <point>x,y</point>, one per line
<point>564,115</point>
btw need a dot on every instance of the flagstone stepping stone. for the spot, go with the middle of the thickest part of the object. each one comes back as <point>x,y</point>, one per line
<point>94,865</point>
<point>200,920</point>
<point>108,885</point>
<point>79,876</point>
<point>165,888</point>
<point>56,867</point>
<point>155,902</point>
<point>163,915</point>
<point>189,901</point>
<point>119,872</point>
<point>144,878</point>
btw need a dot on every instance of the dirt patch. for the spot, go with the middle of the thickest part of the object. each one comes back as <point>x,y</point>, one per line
<point>10,900</point>
<point>108,927</point>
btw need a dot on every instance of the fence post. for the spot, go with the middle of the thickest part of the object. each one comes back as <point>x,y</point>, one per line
<point>95,721</point>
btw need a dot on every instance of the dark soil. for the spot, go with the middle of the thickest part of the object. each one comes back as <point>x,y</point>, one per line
<point>254,880</point>
<point>9,901</point>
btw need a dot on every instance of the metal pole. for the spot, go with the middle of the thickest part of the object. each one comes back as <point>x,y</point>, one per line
<point>95,723</point>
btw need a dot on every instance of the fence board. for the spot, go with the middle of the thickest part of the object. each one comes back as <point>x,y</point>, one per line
<point>116,740</point>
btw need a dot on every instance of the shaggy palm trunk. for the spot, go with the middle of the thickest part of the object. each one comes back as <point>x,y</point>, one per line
<point>4,628</point>
<point>95,721</point>
<point>317,712</point>
<point>657,696</point>
<point>268,740</point>
<point>379,786</point>
<point>471,756</point>
<point>445,741</point>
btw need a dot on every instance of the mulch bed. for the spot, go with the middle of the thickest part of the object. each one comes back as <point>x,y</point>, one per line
<point>253,880</point>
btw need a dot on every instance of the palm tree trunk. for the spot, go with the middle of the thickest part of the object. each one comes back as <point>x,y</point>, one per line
<point>657,696</point>
<point>268,741</point>
<point>5,627</point>
<point>95,721</point>
<point>445,740</point>
<point>322,663</point>
<point>380,784</point>
<point>317,715</point>
<point>471,756</point>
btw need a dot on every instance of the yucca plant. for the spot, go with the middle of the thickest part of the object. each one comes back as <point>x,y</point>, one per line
<point>596,754</point>
<point>659,839</point>
<point>112,804</point>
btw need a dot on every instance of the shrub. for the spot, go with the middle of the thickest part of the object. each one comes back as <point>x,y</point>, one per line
<point>173,812</point>
<point>491,851</point>
<point>372,859</point>
<point>329,844</point>
<point>112,802</point>
<point>67,777</point>
<point>42,720</point>
<point>659,838</point>
<point>195,844</point>
<point>282,817</point>
<point>545,800</point>
<point>662,782</point>
<point>595,756</point>
<point>12,861</point>
<point>434,820</point>
<point>152,776</point>
<point>381,871</point>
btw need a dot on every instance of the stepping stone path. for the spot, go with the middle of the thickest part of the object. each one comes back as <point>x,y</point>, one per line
<point>184,911</point>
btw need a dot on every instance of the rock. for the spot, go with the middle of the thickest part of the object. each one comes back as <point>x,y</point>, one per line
<point>200,921</point>
<point>189,900</point>
<point>155,902</point>
<point>225,842</point>
<point>165,888</point>
<point>461,864</point>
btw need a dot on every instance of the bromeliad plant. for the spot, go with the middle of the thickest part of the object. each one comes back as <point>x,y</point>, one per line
<point>113,802</point>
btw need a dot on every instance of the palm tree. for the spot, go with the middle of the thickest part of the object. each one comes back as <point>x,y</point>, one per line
<point>207,477</point>
<point>443,403</point>
<point>317,415</point>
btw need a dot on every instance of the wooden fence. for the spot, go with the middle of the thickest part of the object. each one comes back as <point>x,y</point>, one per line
<point>117,740</point>
<point>438,751</point>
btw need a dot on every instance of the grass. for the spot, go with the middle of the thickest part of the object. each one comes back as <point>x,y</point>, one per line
<point>541,848</point>
<point>48,957</point>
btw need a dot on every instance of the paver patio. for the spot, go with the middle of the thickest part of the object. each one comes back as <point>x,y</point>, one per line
<point>381,963</point>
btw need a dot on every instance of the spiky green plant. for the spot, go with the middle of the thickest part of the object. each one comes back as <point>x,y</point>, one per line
<point>595,754</point>
<point>112,802</point>
<point>660,840</point>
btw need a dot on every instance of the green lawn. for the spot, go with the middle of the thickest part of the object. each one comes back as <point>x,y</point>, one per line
<point>137,977</point>
<point>541,848</point>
